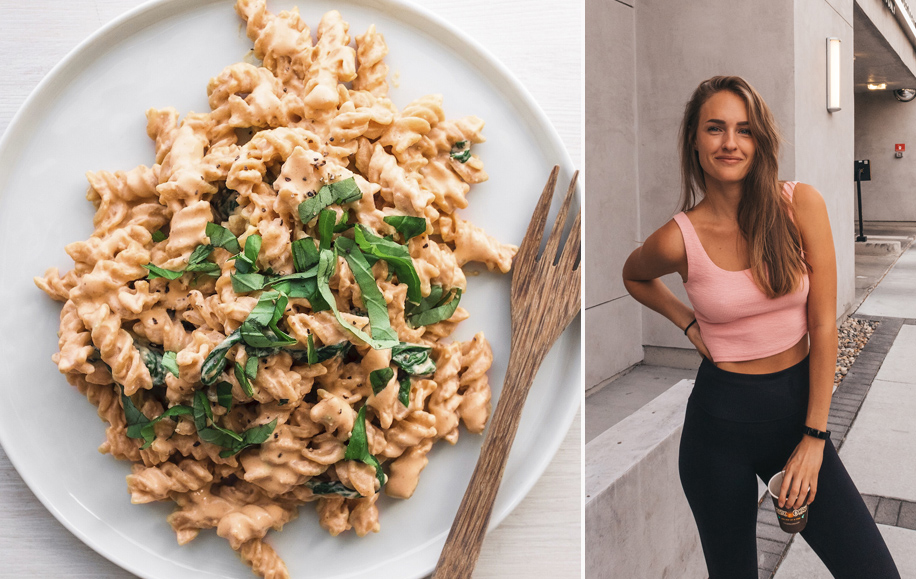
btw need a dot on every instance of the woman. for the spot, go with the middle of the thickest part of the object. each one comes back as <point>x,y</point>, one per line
<point>757,260</point>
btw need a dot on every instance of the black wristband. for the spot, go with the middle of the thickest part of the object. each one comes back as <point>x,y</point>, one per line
<point>688,326</point>
<point>823,435</point>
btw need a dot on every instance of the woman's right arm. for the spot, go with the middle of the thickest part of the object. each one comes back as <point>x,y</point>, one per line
<point>661,254</point>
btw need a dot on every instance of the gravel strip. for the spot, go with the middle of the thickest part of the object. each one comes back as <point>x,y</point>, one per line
<point>853,335</point>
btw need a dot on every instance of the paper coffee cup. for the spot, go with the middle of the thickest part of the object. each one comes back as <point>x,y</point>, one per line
<point>790,520</point>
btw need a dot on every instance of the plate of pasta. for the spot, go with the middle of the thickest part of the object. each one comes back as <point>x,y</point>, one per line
<point>278,272</point>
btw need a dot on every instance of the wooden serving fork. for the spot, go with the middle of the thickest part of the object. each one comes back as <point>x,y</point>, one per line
<point>546,294</point>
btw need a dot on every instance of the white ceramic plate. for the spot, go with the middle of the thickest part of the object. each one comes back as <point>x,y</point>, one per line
<point>88,114</point>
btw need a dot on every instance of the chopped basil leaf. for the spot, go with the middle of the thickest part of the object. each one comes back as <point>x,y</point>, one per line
<point>196,263</point>
<point>251,437</point>
<point>404,391</point>
<point>152,359</point>
<point>413,359</point>
<point>303,288</point>
<point>342,225</point>
<point>327,265</point>
<point>260,327</point>
<point>135,419</point>
<point>332,488</point>
<point>431,311</point>
<point>461,151</point>
<point>229,440</point>
<point>220,437</point>
<point>380,378</point>
<point>317,355</point>
<point>201,410</point>
<point>397,257</point>
<point>247,261</point>
<point>310,355</point>
<point>247,282</point>
<point>159,236</point>
<point>170,363</point>
<point>222,237</point>
<point>206,267</point>
<point>156,271</point>
<point>148,431</point>
<point>200,254</point>
<point>305,254</point>
<point>358,447</point>
<point>379,323</point>
<point>326,228</point>
<point>251,367</point>
<point>216,360</point>
<point>243,380</point>
<point>406,225</point>
<point>224,394</point>
<point>339,193</point>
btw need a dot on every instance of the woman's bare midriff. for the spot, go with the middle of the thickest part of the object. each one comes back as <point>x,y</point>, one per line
<point>770,364</point>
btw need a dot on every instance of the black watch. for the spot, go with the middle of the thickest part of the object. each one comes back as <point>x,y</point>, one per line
<point>823,435</point>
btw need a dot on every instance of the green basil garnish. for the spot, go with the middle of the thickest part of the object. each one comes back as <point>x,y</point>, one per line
<point>260,327</point>
<point>358,447</point>
<point>197,263</point>
<point>156,271</point>
<point>461,151</point>
<point>435,307</point>
<point>247,282</point>
<point>409,227</point>
<point>326,221</point>
<point>216,360</point>
<point>231,441</point>
<point>380,378</point>
<point>305,254</point>
<point>342,225</point>
<point>247,261</point>
<point>222,237</point>
<point>242,376</point>
<point>404,391</point>
<point>338,193</point>
<point>139,426</point>
<point>159,236</point>
<point>397,257</point>
<point>332,488</point>
<point>170,363</point>
<point>413,359</point>
<point>317,355</point>
<point>224,394</point>
<point>377,308</point>
<point>152,359</point>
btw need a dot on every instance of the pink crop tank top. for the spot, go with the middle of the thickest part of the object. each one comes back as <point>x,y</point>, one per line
<point>737,320</point>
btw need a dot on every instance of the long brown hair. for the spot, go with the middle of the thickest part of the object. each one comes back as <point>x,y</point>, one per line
<point>765,216</point>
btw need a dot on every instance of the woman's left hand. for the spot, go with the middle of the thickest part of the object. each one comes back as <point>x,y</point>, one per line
<point>801,473</point>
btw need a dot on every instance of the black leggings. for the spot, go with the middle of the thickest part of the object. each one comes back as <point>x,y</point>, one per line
<point>741,426</point>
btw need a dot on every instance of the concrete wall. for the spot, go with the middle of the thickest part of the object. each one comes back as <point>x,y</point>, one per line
<point>680,44</point>
<point>882,121</point>
<point>890,29</point>
<point>638,524</point>
<point>784,58</point>
<point>824,142</point>
<point>613,337</point>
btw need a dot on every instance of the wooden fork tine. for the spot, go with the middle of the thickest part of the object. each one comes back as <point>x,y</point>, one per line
<point>572,248</point>
<point>535,232</point>
<point>553,242</point>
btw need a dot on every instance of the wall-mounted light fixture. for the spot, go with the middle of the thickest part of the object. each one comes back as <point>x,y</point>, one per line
<point>833,75</point>
<point>880,86</point>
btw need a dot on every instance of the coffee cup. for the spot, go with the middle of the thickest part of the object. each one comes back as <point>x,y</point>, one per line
<point>790,520</point>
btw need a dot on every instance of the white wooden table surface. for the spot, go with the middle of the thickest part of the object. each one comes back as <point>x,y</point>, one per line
<point>541,43</point>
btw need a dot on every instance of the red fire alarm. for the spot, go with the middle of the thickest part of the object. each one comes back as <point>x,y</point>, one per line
<point>899,147</point>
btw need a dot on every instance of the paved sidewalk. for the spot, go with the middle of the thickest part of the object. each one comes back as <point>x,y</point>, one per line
<point>879,448</point>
